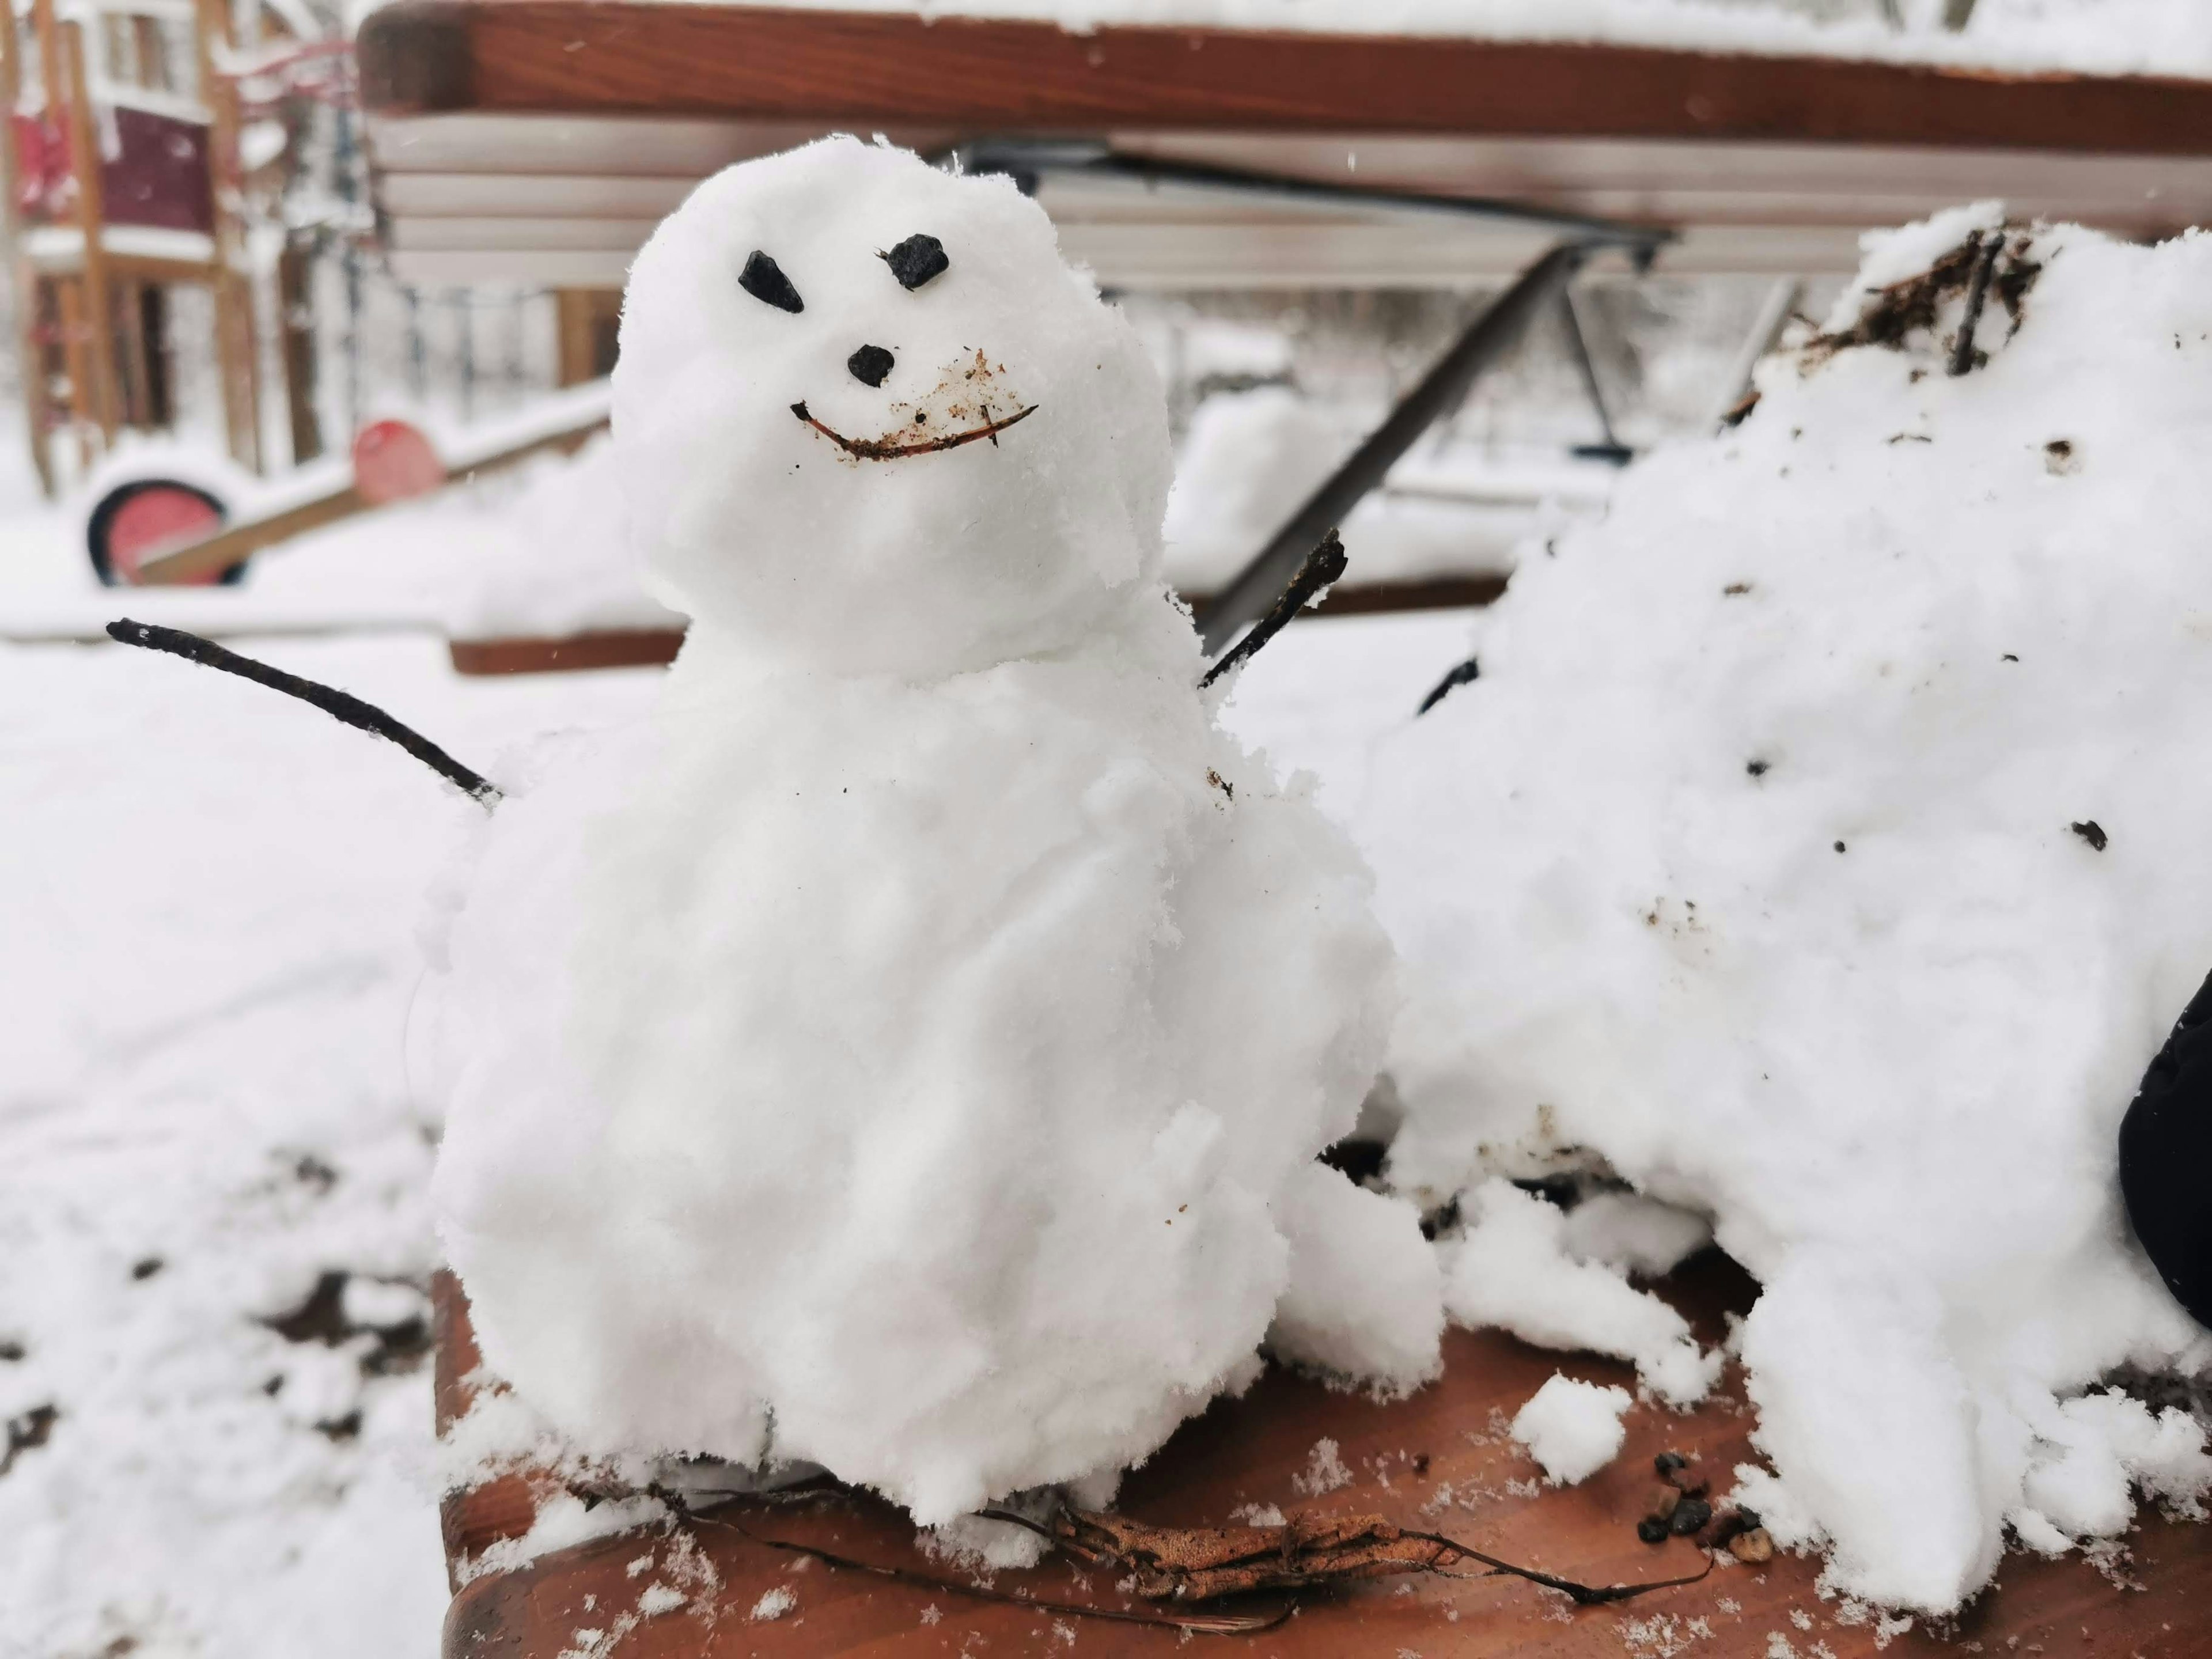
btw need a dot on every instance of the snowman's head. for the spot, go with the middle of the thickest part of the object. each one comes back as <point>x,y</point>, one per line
<point>869,419</point>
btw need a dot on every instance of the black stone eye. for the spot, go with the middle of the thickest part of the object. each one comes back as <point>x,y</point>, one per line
<point>870,364</point>
<point>918,259</point>
<point>765,280</point>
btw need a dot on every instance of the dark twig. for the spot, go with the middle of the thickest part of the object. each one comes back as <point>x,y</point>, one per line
<point>1978,290</point>
<point>1466,674</point>
<point>1582,1595</point>
<point>890,449</point>
<point>1322,567</point>
<point>1197,1564</point>
<point>1198,1624</point>
<point>338,705</point>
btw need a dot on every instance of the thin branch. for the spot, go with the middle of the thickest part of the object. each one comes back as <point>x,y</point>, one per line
<point>1198,1624</point>
<point>1322,567</point>
<point>338,705</point>
<point>1466,674</point>
<point>1978,291</point>
<point>1197,1563</point>
<point>1582,1595</point>
<point>887,449</point>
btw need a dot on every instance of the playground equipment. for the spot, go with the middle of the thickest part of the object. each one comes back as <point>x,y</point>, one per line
<point>121,162</point>
<point>150,527</point>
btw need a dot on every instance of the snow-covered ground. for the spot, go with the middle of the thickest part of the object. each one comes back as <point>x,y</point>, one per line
<point>207,953</point>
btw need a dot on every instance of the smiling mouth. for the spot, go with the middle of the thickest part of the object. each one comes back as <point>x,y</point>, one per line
<point>891,446</point>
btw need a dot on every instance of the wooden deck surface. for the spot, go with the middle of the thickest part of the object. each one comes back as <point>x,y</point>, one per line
<point>1440,1461</point>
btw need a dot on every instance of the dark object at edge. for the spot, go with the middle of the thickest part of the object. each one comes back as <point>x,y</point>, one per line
<point>2166,1159</point>
<point>340,705</point>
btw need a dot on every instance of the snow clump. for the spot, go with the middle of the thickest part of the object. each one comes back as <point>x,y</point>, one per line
<point>907,1050</point>
<point>1822,851</point>
<point>1572,1428</point>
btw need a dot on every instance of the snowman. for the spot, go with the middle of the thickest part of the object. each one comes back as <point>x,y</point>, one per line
<point>908,1049</point>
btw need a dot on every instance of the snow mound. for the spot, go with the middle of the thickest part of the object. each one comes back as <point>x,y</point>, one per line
<point>907,1049</point>
<point>1822,850</point>
<point>1572,1428</point>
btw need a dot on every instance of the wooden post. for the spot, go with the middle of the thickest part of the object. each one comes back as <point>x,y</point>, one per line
<point>30,353</point>
<point>296,328</point>
<point>43,22</point>
<point>77,359</point>
<point>99,399</point>
<point>585,320</point>
<point>237,340</point>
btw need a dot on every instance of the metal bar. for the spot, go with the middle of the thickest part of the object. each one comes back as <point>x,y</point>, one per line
<point>1774,315</point>
<point>1612,449</point>
<point>1027,161</point>
<point>1254,588</point>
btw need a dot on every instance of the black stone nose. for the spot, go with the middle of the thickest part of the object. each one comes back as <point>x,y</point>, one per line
<point>869,365</point>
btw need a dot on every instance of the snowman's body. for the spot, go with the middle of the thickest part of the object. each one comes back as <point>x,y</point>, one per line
<point>906,1051</point>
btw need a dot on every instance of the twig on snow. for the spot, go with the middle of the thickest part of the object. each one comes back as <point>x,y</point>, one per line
<point>1978,291</point>
<point>338,705</point>
<point>1466,674</point>
<point>1320,569</point>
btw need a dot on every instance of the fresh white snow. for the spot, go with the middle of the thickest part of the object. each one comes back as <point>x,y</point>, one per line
<point>1572,1428</point>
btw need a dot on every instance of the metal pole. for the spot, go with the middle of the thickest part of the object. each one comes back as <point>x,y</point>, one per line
<point>1254,588</point>
<point>1579,348</point>
<point>1773,317</point>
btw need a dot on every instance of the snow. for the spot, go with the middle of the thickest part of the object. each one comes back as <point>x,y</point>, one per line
<point>1746,873</point>
<point>1364,1297</point>
<point>1572,1428</point>
<point>905,1050</point>
<point>210,961</point>
<point>1508,1265</point>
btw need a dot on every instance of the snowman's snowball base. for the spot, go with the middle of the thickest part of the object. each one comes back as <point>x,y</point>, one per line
<point>1757,867</point>
<point>877,1058</point>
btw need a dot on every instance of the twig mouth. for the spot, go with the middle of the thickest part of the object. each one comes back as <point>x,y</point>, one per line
<point>891,446</point>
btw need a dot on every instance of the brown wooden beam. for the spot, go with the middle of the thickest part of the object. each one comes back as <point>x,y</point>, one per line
<point>616,56</point>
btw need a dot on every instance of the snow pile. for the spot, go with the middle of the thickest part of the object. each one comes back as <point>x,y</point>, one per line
<point>1822,851</point>
<point>1572,1428</point>
<point>557,561</point>
<point>905,1051</point>
<point>214,1186</point>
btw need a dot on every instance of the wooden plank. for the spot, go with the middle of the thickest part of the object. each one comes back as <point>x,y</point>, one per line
<point>617,57</point>
<point>637,647</point>
<point>1436,1461</point>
